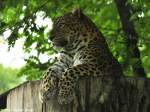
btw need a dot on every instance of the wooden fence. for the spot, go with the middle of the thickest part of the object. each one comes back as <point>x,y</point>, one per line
<point>92,95</point>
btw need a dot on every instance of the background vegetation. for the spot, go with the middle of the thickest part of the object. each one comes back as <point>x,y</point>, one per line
<point>20,18</point>
<point>8,77</point>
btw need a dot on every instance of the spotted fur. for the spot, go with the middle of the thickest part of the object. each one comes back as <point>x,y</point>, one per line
<point>85,53</point>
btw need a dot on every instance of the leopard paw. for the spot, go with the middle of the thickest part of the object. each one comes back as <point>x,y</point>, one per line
<point>49,94</point>
<point>49,88</point>
<point>65,99</point>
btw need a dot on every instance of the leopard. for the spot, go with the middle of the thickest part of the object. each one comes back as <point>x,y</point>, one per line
<point>85,53</point>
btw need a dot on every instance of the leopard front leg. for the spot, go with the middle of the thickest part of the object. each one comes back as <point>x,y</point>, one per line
<point>49,83</point>
<point>48,86</point>
<point>66,86</point>
<point>67,82</point>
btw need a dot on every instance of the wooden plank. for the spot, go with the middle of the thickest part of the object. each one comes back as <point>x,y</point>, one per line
<point>15,100</point>
<point>24,98</point>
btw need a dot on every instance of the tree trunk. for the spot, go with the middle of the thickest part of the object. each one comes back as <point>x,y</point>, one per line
<point>102,94</point>
<point>131,37</point>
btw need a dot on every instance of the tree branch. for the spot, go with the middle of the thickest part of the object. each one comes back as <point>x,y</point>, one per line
<point>131,37</point>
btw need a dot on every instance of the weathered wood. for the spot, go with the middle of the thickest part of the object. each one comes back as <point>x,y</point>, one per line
<point>103,94</point>
<point>25,98</point>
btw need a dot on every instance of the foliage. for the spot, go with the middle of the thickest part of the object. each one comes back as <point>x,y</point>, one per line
<point>8,78</point>
<point>17,15</point>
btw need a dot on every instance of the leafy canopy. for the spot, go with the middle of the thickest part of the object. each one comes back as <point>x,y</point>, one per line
<point>20,18</point>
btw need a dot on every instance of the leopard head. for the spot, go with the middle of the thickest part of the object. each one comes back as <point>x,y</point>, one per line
<point>71,30</point>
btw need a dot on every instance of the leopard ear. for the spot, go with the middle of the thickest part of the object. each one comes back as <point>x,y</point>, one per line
<point>77,12</point>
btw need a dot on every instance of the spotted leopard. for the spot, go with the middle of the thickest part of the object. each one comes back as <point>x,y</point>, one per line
<point>85,53</point>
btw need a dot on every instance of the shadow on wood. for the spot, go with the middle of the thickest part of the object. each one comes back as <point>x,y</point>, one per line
<point>103,94</point>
